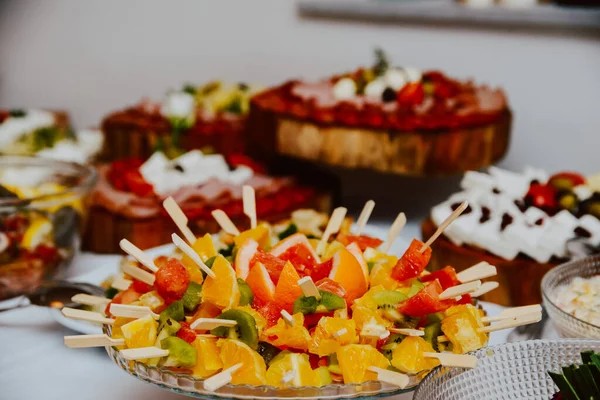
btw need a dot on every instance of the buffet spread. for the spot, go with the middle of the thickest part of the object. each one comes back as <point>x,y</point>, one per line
<point>270,289</point>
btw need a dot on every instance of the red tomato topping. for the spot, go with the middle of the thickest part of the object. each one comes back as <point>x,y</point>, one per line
<point>172,280</point>
<point>425,302</point>
<point>575,178</point>
<point>331,286</point>
<point>186,332</point>
<point>542,196</point>
<point>140,286</point>
<point>411,94</point>
<point>446,276</point>
<point>137,184</point>
<point>362,241</point>
<point>412,262</point>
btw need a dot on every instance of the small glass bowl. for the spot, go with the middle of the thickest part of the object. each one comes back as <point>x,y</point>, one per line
<point>40,229</point>
<point>191,386</point>
<point>506,372</point>
<point>566,324</point>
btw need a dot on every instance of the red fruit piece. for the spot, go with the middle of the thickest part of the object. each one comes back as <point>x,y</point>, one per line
<point>542,196</point>
<point>412,262</point>
<point>331,286</point>
<point>240,159</point>
<point>320,271</point>
<point>573,177</point>
<point>311,320</point>
<point>445,276</point>
<point>125,297</point>
<point>411,94</point>
<point>268,310</point>
<point>273,264</point>
<point>136,184</point>
<point>362,241</point>
<point>172,280</point>
<point>140,286</point>
<point>186,332</point>
<point>300,257</point>
<point>427,301</point>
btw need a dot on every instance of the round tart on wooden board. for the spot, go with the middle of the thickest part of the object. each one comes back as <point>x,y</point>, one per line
<point>383,118</point>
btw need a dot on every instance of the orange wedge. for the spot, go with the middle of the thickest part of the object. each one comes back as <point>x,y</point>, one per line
<point>244,256</point>
<point>223,290</point>
<point>254,369</point>
<point>261,284</point>
<point>358,254</point>
<point>260,234</point>
<point>348,272</point>
<point>287,289</point>
<point>355,359</point>
<point>294,240</point>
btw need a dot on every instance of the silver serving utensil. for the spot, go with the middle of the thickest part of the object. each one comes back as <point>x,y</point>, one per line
<point>54,294</point>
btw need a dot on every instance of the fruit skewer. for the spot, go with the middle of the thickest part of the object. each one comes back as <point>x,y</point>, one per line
<point>364,216</point>
<point>178,216</point>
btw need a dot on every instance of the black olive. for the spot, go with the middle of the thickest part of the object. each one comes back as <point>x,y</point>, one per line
<point>507,219</point>
<point>66,223</point>
<point>496,191</point>
<point>485,214</point>
<point>17,113</point>
<point>7,194</point>
<point>388,95</point>
<point>582,232</point>
<point>179,168</point>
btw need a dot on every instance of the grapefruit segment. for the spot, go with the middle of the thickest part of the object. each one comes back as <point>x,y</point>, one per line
<point>287,289</point>
<point>244,258</point>
<point>348,272</point>
<point>260,282</point>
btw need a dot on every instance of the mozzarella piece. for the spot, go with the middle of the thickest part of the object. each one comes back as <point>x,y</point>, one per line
<point>477,180</point>
<point>487,236</point>
<point>566,219</point>
<point>583,192</point>
<point>155,165</point>
<point>412,74</point>
<point>534,214</point>
<point>592,225</point>
<point>240,175</point>
<point>345,88</point>
<point>179,105</point>
<point>395,78</point>
<point>189,161</point>
<point>375,88</point>
<point>512,183</point>
<point>536,174</point>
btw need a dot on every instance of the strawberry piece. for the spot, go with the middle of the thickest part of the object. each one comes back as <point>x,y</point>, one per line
<point>140,286</point>
<point>172,280</point>
<point>186,333</point>
<point>362,241</point>
<point>411,94</point>
<point>412,262</point>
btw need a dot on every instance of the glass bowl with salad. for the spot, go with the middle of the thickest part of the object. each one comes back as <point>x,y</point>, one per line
<point>42,215</point>
<point>571,296</point>
<point>533,370</point>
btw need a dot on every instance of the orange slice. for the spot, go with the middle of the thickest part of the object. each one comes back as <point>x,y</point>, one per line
<point>295,337</point>
<point>253,371</point>
<point>354,360</point>
<point>223,290</point>
<point>287,289</point>
<point>259,234</point>
<point>324,340</point>
<point>358,254</point>
<point>348,272</point>
<point>294,240</point>
<point>244,256</point>
<point>304,375</point>
<point>260,282</point>
<point>209,360</point>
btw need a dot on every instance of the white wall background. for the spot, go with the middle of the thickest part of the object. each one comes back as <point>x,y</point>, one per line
<point>94,56</point>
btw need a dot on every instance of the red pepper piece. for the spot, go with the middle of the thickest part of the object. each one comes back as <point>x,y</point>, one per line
<point>412,262</point>
<point>186,332</point>
<point>427,301</point>
<point>172,280</point>
<point>446,276</point>
<point>362,241</point>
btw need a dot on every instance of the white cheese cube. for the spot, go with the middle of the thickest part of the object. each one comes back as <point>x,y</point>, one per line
<point>583,192</point>
<point>477,180</point>
<point>438,214</point>
<point>536,174</point>
<point>344,89</point>
<point>534,214</point>
<point>516,185</point>
<point>375,88</point>
<point>395,78</point>
<point>592,225</point>
<point>412,74</point>
<point>487,236</point>
<point>215,166</point>
<point>158,163</point>
<point>566,219</point>
<point>240,175</point>
<point>189,161</point>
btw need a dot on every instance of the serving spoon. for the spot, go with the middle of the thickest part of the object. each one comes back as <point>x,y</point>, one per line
<point>53,294</point>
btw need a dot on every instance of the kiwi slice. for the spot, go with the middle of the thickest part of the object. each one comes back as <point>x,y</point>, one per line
<point>392,314</point>
<point>173,311</point>
<point>388,349</point>
<point>267,351</point>
<point>245,329</point>
<point>388,297</point>
<point>305,305</point>
<point>310,305</point>
<point>415,288</point>
<point>435,317</point>
<point>181,353</point>
<point>246,295</point>
<point>191,297</point>
<point>432,331</point>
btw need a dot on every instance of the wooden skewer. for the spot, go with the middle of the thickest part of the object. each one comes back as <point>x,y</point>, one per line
<point>445,224</point>
<point>225,223</point>
<point>143,353</point>
<point>289,320</point>
<point>486,287</point>
<point>513,322</point>
<point>407,332</point>
<point>121,284</point>
<point>139,274</point>
<point>334,224</point>
<point>394,231</point>
<point>89,300</point>
<point>221,379</point>
<point>374,330</point>
<point>363,218</point>
<point>459,290</point>
<point>183,246</point>
<point>309,288</point>
<point>100,340</point>
<point>289,376</point>
<point>340,333</point>
<point>393,378</point>
<point>206,324</point>
<point>178,216</point>
<point>453,360</point>
<point>89,316</point>
<point>131,311</point>
<point>249,199</point>
<point>478,271</point>
<point>138,254</point>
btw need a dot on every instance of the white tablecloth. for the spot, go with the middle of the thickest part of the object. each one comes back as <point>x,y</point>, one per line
<point>35,364</point>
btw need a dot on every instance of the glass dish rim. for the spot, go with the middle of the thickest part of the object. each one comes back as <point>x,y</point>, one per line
<point>386,390</point>
<point>87,172</point>
<point>507,345</point>
<point>556,270</point>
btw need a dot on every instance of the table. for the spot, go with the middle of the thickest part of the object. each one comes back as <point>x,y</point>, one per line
<point>35,364</point>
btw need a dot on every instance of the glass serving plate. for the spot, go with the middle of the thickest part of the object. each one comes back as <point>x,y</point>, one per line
<point>190,386</point>
<point>566,324</point>
<point>506,372</point>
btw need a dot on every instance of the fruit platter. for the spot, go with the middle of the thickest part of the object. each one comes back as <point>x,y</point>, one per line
<point>306,308</point>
